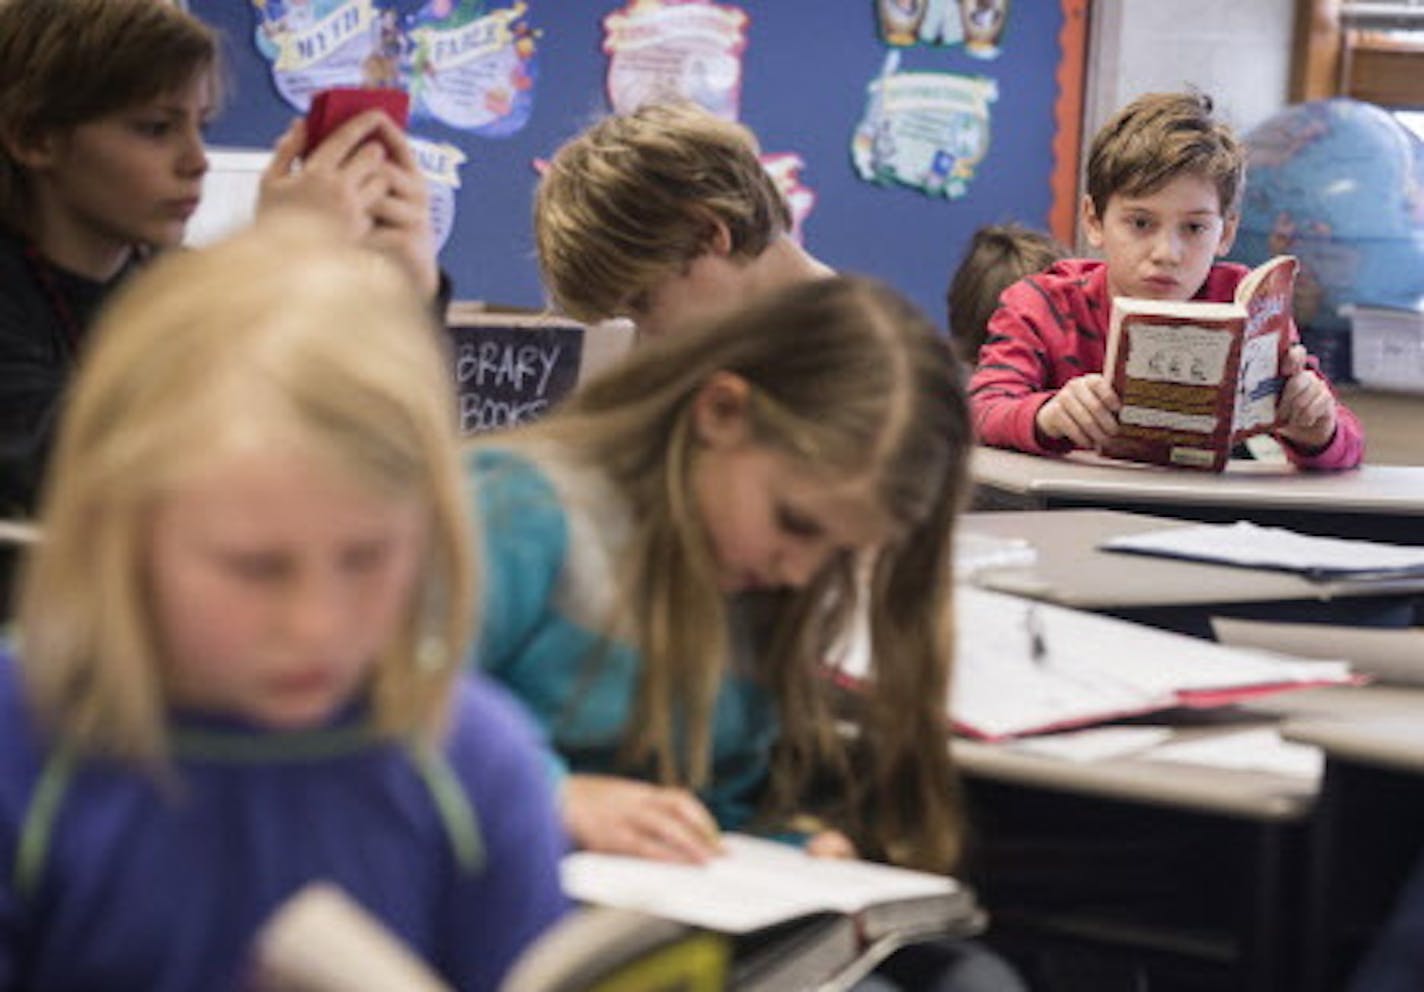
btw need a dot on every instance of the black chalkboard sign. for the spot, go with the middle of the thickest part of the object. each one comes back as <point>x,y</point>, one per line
<point>509,371</point>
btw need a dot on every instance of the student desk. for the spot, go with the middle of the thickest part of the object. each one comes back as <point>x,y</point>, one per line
<point>1071,571</point>
<point>1230,856</point>
<point>1367,834</point>
<point>1378,502</point>
<point>1391,421</point>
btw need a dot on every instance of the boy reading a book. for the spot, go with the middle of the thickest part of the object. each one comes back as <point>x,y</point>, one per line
<point>1164,180</point>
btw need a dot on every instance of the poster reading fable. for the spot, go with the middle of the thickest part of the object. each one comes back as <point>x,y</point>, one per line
<point>467,65</point>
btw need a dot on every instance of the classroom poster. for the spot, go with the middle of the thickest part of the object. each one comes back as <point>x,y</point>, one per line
<point>925,130</point>
<point>466,67</point>
<point>785,170</point>
<point>440,163</point>
<point>473,69</point>
<point>977,24</point>
<point>690,49</point>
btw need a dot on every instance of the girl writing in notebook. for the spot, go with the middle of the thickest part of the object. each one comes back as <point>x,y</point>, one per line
<point>241,638</point>
<point>103,105</point>
<point>671,557</point>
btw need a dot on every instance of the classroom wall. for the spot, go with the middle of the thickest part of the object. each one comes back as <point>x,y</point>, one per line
<point>1238,51</point>
<point>804,90</point>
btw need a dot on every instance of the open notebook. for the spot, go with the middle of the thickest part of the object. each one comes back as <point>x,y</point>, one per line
<point>1023,667</point>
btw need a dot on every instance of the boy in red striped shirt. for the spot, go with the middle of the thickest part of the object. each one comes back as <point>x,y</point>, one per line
<point>1164,180</point>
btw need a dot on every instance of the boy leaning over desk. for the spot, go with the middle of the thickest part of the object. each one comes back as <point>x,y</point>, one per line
<point>1164,181</point>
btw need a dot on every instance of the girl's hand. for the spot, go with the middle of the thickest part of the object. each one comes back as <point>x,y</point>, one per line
<point>1306,408</point>
<point>1084,411</point>
<point>831,844</point>
<point>624,816</point>
<point>345,178</point>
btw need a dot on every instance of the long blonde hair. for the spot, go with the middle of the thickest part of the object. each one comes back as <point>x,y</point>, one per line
<point>850,381</point>
<point>278,335</point>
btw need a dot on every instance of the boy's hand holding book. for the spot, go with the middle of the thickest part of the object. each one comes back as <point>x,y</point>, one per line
<point>1084,411</point>
<point>1306,409</point>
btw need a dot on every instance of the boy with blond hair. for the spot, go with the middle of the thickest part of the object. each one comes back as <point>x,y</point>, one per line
<point>664,215</point>
<point>1164,183</point>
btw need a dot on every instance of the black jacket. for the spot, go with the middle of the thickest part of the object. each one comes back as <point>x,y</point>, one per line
<point>37,358</point>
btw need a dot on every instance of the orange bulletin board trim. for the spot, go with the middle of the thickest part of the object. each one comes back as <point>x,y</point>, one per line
<point>1068,120</point>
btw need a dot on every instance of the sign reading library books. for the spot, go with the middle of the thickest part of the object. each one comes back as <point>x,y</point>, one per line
<point>511,370</point>
<point>925,130</point>
<point>691,49</point>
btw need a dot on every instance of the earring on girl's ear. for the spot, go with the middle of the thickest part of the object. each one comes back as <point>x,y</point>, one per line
<point>432,654</point>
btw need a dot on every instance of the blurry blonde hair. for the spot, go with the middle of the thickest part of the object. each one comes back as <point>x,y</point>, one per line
<point>1155,139</point>
<point>280,335</point>
<point>851,382</point>
<point>67,62</point>
<point>636,197</point>
<point>998,256</point>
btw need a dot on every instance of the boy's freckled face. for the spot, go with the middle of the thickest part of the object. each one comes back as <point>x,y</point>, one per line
<point>275,586</point>
<point>1162,245</point>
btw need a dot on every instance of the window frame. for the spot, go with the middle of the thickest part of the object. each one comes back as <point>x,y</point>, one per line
<point>1332,58</point>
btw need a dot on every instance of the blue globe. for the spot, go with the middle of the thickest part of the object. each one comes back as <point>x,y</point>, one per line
<point>1340,185</point>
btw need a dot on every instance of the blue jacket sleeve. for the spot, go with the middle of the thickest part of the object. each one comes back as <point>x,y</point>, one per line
<point>524,538</point>
<point>496,913</point>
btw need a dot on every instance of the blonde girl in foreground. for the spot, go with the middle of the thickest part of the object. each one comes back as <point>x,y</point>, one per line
<point>237,670</point>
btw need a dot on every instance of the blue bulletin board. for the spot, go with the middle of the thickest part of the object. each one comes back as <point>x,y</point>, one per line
<point>803,89</point>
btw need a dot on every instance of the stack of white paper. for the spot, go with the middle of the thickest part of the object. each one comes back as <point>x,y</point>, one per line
<point>1090,668</point>
<point>1251,545</point>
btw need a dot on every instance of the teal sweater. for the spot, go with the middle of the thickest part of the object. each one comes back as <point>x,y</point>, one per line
<point>553,534</point>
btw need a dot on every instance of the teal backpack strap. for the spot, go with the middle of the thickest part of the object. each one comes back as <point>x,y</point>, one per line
<point>453,805</point>
<point>37,829</point>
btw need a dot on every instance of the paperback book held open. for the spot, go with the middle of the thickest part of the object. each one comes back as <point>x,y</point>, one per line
<point>798,921</point>
<point>1197,378</point>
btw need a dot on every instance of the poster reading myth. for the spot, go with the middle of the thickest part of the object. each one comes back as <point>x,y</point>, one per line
<point>688,49</point>
<point>925,130</point>
<point>316,44</point>
<point>977,24</point>
<point>472,69</point>
<point>785,170</point>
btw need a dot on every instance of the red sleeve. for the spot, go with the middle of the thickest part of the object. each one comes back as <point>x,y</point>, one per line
<point>1011,381</point>
<point>1347,446</point>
